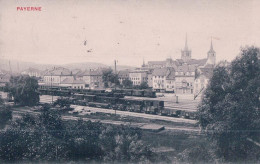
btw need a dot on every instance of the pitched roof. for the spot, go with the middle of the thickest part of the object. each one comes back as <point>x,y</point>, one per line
<point>207,72</point>
<point>76,71</point>
<point>171,75</point>
<point>72,81</point>
<point>160,72</point>
<point>156,62</point>
<point>91,73</point>
<point>197,61</point>
<point>186,68</point>
<point>60,71</point>
<point>168,72</point>
<point>123,73</point>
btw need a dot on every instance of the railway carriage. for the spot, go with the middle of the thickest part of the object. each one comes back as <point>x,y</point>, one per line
<point>149,93</point>
<point>138,93</point>
<point>90,98</point>
<point>134,105</point>
<point>128,92</point>
<point>153,106</point>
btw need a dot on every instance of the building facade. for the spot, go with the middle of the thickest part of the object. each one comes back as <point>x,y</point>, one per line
<point>32,72</point>
<point>92,78</point>
<point>181,79</point>
<point>55,76</point>
<point>123,75</point>
<point>138,76</point>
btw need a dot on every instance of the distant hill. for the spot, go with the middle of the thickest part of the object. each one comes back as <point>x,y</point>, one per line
<point>19,66</point>
<point>84,66</point>
<point>123,67</point>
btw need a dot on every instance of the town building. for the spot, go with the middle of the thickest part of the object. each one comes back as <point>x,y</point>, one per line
<point>184,79</point>
<point>202,80</point>
<point>170,82</point>
<point>138,76</point>
<point>73,83</point>
<point>160,77</point>
<point>55,76</point>
<point>32,72</point>
<point>92,78</point>
<point>123,75</point>
<point>181,80</point>
<point>150,79</point>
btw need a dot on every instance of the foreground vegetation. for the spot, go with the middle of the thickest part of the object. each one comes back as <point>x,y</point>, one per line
<point>47,138</point>
<point>229,112</point>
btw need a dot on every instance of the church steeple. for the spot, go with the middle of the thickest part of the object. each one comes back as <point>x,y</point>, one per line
<point>186,53</point>
<point>211,54</point>
<point>211,47</point>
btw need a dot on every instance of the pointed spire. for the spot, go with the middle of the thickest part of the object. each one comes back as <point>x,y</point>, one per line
<point>211,46</point>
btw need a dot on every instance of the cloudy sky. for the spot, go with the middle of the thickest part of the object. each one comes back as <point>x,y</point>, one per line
<point>126,30</point>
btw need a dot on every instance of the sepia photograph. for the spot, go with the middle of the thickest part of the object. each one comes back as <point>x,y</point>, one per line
<point>130,81</point>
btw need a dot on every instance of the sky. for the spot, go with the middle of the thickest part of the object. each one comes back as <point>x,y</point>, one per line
<point>126,30</point>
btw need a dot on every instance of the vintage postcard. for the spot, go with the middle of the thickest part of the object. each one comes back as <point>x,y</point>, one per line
<point>129,81</point>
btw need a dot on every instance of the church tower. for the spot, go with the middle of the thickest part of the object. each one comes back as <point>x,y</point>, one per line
<point>211,55</point>
<point>186,53</point>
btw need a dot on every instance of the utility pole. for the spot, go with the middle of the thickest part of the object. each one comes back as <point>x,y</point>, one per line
<point>115,83</point>
<point>52,91</point>
<point>115,66</point>
<point>10,67</point>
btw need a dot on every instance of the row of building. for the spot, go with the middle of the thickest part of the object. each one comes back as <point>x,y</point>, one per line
<point>181,76</point>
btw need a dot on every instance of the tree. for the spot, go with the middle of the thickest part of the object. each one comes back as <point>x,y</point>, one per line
<point>229,112</point>
<point>109,78</point>
<point>5,114</point>
<point>144,85</point>
<point>46,137</point>
<point>127,83</point>
<point>24,90</point>
<point>63,103</point>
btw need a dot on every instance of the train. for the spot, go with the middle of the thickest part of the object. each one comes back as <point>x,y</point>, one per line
<point>117,103</point>
<point>60,91</point>
<point>117,100</point>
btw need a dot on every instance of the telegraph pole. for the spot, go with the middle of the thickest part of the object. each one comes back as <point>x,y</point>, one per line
<point>52,91</point>
<point>115,83</point>
<point>115,66</point>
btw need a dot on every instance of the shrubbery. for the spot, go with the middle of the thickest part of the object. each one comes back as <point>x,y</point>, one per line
<point>47,138</point>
